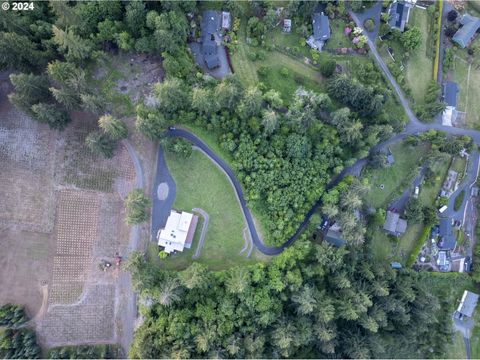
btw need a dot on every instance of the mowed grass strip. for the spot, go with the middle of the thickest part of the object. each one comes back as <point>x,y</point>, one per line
<point>420,66</point>
<point>200,184</point>
<point>469,94</point>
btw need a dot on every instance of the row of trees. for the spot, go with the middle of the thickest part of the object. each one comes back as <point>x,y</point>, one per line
<point>312,301</point>
<point>12,315</point>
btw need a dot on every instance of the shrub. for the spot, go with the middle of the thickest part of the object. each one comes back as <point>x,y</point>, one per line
<point>299,79</point>
<point>261,55</point>
<point>284,71</point>
<point>136,204</point>
<point>263,70</point>
<point>459,200</point>
<point>252,55</point>
<point>327,67</point>
<point>418,245</point>
<point>369,24</point>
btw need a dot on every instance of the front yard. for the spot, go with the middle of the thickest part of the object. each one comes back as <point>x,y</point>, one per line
<point>200,184</point>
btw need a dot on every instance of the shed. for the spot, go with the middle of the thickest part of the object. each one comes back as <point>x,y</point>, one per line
<point>287,25</point>
<point>464,36</point>
<point>450,93</point>
<point>467,303</point>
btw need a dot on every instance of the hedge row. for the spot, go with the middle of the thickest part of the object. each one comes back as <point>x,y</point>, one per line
<point>418,245</point>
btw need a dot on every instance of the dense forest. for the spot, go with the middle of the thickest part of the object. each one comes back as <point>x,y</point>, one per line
<point>311,301</point>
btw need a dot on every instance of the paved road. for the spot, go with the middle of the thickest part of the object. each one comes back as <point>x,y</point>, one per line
<point>466,185</point>
<point>374,13</point>
<point>202,234</point>
<point>400,203</point>
<point>161,207</point>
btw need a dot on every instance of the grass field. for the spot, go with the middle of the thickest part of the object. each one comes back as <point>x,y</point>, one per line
<point>201,184</point>
<point>338,39</point>
<point>420,66</point>
<point>468,77</point>
<point>459,164</point>
<point>407,160</point>
<point>299,73</point>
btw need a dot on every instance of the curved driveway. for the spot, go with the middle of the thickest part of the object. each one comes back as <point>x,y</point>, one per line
<point>413,127</point>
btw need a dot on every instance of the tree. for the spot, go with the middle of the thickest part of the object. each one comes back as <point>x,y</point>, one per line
<point>136,205</point>
<point>273,98</point>
<point>93,103</point>
<point>18,52</point>
<point>305,301</point>
<point>203,101</point>
<point>150,123</point>
<point>51,114</point>
<point>269,121</point>
<point>101,144</point>
<point>327,67</point>
<point>135,14</point>
<point>412,38</point>
<point>195,276</point>
<point>12,315</point>
<point>270,18</point>
<point>170,30</point>
<point>75,48</point>
<point>452,15</point>
<point>238,280</point>
<point>429,215</point>
<point>171,95</point>
<point>114,128</point>
<point>227,93</point>
<point>180,147</point>
<point>29,90</point>
<point>413,210</point>
<point>369,25</point>
<point>251,103</point>
<point>169,292</point>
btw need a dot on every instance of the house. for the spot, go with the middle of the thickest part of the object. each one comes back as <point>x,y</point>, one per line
<point>321,31</point>
<point>226,20</point>
<point>394,225</point>
<point>178,232</point>
<point>287,25</point>
<point>450,94</point>
<point>210,38</point>
<point>399,14</point>
<point>464,36</point>
<point>443,261</point>
<point>334,237</point>
<point>447,239</point>
<point>467,304</point>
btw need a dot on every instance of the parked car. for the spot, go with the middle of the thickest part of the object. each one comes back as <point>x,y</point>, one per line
<point>416,192</point>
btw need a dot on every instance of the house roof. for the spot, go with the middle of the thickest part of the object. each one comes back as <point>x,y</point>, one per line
<point>210,27</point>
<point>391,221</point>
<point>398,15</point>
<point>210,22</point>
<point>464,35</point>
<point>401,226</point>
<point>468,303</point>
<point>450,92</point>
<point>177,232</point>
<point>212,61</point>
<point>321,27</point>
<point>334,238</point>
<point>447,237</point>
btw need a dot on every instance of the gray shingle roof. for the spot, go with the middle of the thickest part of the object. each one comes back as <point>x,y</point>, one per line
<point>334,238</point>
<point>468,303</point>
<point>210,27</point>
<point>450,92</point>
<point>321,27</point>
<point>393,224</point>
<point>465,34</point>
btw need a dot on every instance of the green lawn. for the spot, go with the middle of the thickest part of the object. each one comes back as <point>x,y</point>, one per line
<point>475,338</point>
<point>419,69</point>
<point>407,160</point>
<point>459,164</point>
<point>338,39</point>
<point>299,73</point>
<point>468,77</point>
<point>457,349</point>
<point>201,184</point>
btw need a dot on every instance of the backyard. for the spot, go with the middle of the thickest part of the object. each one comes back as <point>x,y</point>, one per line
<point>402,172</point>
<point>467,75</point>
<point>197,179</point>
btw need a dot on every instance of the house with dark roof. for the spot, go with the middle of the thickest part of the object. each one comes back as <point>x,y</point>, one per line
<point>321,31</point>
<point>450,95</point>
<point>447,239</point>
<point>211,38</point>
<point>469,26</point>
<point>394,225</point>
<point>399,14</point>
<point>468,303</point>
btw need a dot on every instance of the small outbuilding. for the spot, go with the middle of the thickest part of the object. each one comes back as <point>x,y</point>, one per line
<point>468,303</point>
<point>226,20</point>
<point>287,25</point>
<point>334,237</point>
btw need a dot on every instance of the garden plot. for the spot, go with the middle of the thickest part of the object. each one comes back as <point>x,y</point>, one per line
<point>91,320</point>
<point>26,176</point>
